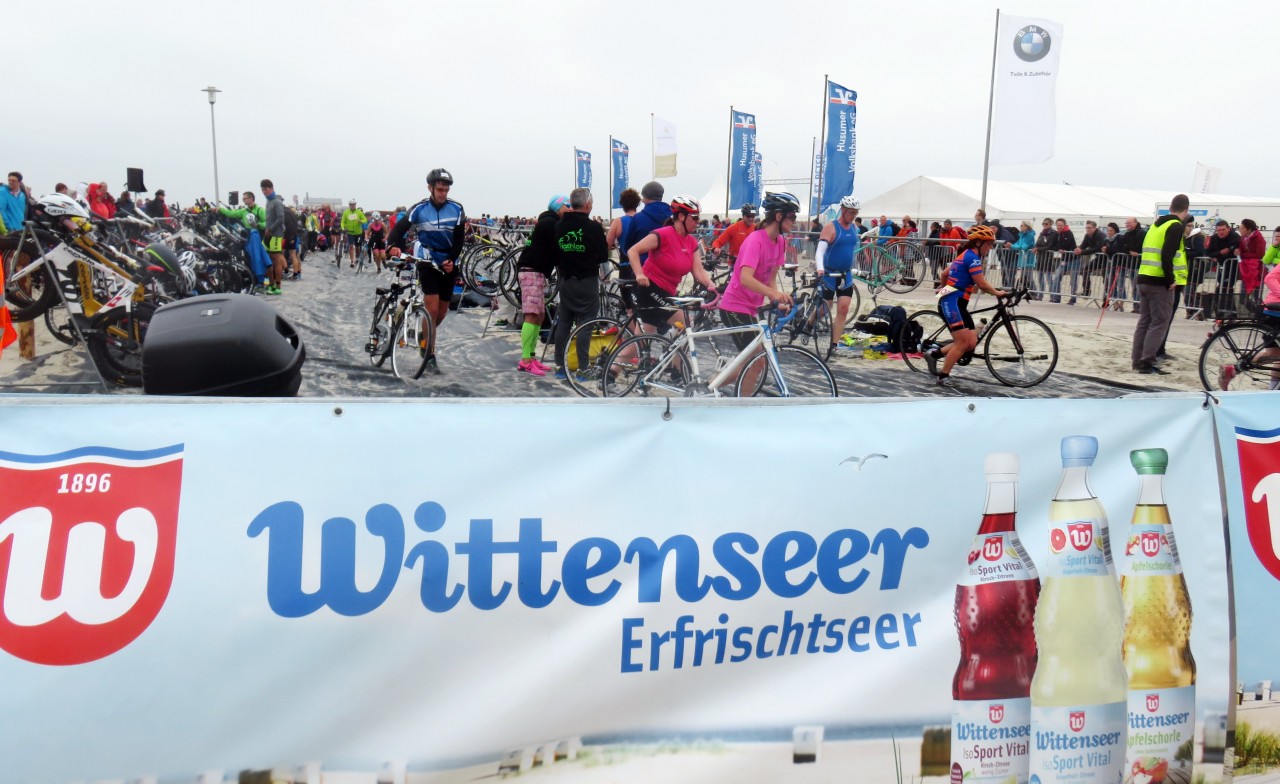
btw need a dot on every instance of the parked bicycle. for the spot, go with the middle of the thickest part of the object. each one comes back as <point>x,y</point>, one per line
<point>1242,355</point>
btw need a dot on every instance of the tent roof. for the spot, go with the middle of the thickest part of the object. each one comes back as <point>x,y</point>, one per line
<point>929,198</point>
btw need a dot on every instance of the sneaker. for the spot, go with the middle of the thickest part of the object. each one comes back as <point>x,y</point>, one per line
<point>531,367</point>
<point>931,361</point>
<point>544,368</point>
<point>500,323</point>
<point>431,366</point>
<point>587,375</point>
<point>944,381</point>
<point>1225,376</point>
<point>273,290</point>
<point>1151,370</point>
<point>561,375</point>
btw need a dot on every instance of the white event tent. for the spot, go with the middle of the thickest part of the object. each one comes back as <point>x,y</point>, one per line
<point>935,198</point>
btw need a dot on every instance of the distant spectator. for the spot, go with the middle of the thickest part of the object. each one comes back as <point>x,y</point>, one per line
<point>1046,241</point>
<point>156,208</point>
<point>651,216</point>
<point>861,229</point>
<point>1068,262</point>
<point>887,229</point>
<point>1092,259</point>
<point>1222,246</point>
<point>61,188</point>
<point>100,201</point>
<point>1193,300</point>
<point>1113,247</point>
<point>1252,248</point>
<point>13,203</point>
<point>1024,246</point>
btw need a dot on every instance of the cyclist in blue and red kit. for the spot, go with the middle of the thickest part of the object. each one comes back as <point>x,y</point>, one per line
<point>963,277</point>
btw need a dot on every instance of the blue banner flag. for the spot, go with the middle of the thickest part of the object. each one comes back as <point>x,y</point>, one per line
<point>621,170</point>
<point>584,168</point>
<point>742,181</point>
<point>757,178</point>
<point>841,146</point>
<point>813,185</point>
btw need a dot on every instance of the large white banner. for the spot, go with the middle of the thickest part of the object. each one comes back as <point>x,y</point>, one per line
<point>664,148</point>
<point>1025,119</point>
<point>420,591</point>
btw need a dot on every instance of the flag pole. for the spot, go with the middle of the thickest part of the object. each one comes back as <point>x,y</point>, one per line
<point>991,99</point>
<point>813,163</point>
<point>826,91</point>
<point>653,148</point>
<point>611,179</point>
<point>728,169</point>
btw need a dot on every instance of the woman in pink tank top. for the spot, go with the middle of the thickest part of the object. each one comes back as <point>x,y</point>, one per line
<point>674,252</point>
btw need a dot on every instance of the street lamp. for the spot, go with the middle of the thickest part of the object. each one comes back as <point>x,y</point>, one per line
<point>213,96</point>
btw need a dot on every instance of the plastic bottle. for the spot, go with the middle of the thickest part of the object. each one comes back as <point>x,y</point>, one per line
<point>1078,694</point>
<point>1157,633</point>
<point>994,611</point>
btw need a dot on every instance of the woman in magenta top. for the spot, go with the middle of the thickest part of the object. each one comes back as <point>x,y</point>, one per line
<point>674,252</point>
<point>755,274</point>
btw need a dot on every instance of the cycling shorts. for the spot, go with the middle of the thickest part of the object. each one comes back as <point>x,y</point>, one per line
<point>436,283</point>
<point>829,283</point>
<point>955,311</point>
<point>652,306</point>
<point>377,244</point>
<point>735,319</point>
<point>275,244</point>
<point>533,292</point>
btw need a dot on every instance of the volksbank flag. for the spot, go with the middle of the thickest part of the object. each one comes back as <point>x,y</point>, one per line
<point>757,178</point>
<point>1022,127</point>
<point>813,186</point>
<point>621,169</point>
<point>584,168</point>
<point>841,146</point>
<point>742,180</point>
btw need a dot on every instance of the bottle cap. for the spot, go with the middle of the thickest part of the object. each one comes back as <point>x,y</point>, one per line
<point>1079,451</point>
<point>1149,461</point>
<point>1001,467</point>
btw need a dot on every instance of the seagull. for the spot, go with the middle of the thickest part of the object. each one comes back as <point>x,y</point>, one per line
<point>859,461</point>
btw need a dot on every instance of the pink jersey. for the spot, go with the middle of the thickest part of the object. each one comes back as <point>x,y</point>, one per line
<point>762,255</point>
<point>671,260</point>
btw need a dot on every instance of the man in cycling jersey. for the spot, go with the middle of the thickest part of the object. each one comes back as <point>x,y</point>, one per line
<point>440,225</point>
<point>837,247</point>
<point>353,221</point>
<point>964,275</point>
<point>735,234</point>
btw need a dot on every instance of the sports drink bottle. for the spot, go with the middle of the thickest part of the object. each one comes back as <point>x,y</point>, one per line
<point>1157,634</point>
<point>1078,693</point>
<point>994,610</point>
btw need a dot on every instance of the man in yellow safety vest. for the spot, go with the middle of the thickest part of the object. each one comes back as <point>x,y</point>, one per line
<point>1163,268</point>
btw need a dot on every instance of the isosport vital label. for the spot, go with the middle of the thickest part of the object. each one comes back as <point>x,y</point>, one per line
<point>1078,548</point>
<point>1077,744</point>
<point>997,558</point>
<point>1150,550</point>
<point>990,740</point>
<point>1161,722</point>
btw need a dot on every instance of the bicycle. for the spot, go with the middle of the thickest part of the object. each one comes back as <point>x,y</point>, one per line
<point>378,346</point>
<point>1241,355</point>
<point>1020,351</point>
<point>660,366</point>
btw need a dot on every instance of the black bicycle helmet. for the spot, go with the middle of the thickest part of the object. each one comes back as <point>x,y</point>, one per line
<point>748,210</point>
<point>780,202</point>
<point>157,254</point>
<point>440,175</point>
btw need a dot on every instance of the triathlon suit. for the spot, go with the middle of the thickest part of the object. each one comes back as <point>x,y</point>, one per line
<point>624,266</point>
<point>666,267</point>
<point>378,235</point>
<point>954,303</point>
<point>435,228</point>
<point>840,254</point>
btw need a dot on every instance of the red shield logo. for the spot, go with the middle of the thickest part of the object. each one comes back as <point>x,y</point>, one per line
<point>1260,481</point>
<point>1149,543</point>
<point>87,543</point>
<point>1153,703</point>
<point>1076,721</point>
<point>996,713</point>
<point>993,548</point>
<point>1081,535</point>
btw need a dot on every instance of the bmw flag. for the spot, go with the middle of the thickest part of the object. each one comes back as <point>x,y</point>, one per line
<point>621,170</point>
<point>583,159</point>
<point>1025,116</point>
<point>742,180</point>
<point>841,148</point>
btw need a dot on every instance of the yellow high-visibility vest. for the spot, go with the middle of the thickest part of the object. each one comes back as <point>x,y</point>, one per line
<point>1152,244</point>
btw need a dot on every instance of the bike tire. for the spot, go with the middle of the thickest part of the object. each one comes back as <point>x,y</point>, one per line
<point>603,336</point>
<point>1236,346</point>
<point>409,352</point>
<point>813,322</point>
<point>911,268</point>
<point>933,333</point>
<point>508,279</point>
<point>61,330</point>
<point>804,374</point>
<point>115,343</point>
<point>25,305</point>
<point>484,270</point>
<point>1023,363</point>
<point>380,332</point>
<point>637,362</point>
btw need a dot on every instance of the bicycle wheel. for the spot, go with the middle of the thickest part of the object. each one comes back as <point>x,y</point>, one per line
<point>359,261</point>
<point>803,375</point>
<point>1021,352</point>
<point>909,268</point>
<point>409,352</point>
<point>641,363</point>
<point>812,321</point>
<point>379,333</point>
<point>32,296</point>
<point>56,321</point>
<point>603,337</point>
<point>484,270</point>
<point>933,332</point>
<point>1231,361</point>
<point>115,343</point>
<point>508,280</point>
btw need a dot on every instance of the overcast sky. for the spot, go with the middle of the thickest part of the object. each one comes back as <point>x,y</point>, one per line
<point>361,99</point>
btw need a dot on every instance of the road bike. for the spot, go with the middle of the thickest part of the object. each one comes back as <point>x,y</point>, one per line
<point>1242,355</point>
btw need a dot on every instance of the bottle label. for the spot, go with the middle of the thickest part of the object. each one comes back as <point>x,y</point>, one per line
<point>1150,550</point>
<point>1161,732</point>
<point>997,558</point>
<point>990,740</point>
<point>1077,744</point>
<point>1078,548</point>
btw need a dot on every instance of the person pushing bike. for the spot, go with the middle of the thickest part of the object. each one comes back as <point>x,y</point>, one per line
<point>964,275</point>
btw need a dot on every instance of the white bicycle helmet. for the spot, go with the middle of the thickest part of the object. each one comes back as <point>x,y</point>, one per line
<point>850,203</point>
<point>686,205</point>
<point>62,205</point>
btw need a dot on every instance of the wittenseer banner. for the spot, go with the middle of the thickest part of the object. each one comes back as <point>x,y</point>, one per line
<point>742,180</point>
<point>1025,118</point>
<point>758,594</point>
<point>583,168</point>
<point>621,170</point>
<point>842,144</point>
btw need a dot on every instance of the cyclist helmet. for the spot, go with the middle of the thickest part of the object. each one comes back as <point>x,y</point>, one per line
<point>748,210</point>
<point>775,203</point>
<point>685,205</point>
<point>557,203</point>
<point>850,203</point>
<point>377,216</point>
<point>440,175</point>
<point>62,205</point>
<point>982,233</point>
<point>157,254</point>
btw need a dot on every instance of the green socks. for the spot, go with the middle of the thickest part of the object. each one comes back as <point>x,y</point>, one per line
<point>529,339</point>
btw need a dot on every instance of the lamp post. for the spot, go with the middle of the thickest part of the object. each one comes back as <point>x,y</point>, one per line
<point>213,96</point>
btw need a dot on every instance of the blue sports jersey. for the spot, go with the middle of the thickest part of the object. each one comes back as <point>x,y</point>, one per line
<point>960,273</point>
<point>840,252</point>
<point>435,227</point>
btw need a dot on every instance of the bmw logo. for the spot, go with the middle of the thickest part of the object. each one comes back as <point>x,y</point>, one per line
<point>1032,43</point>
